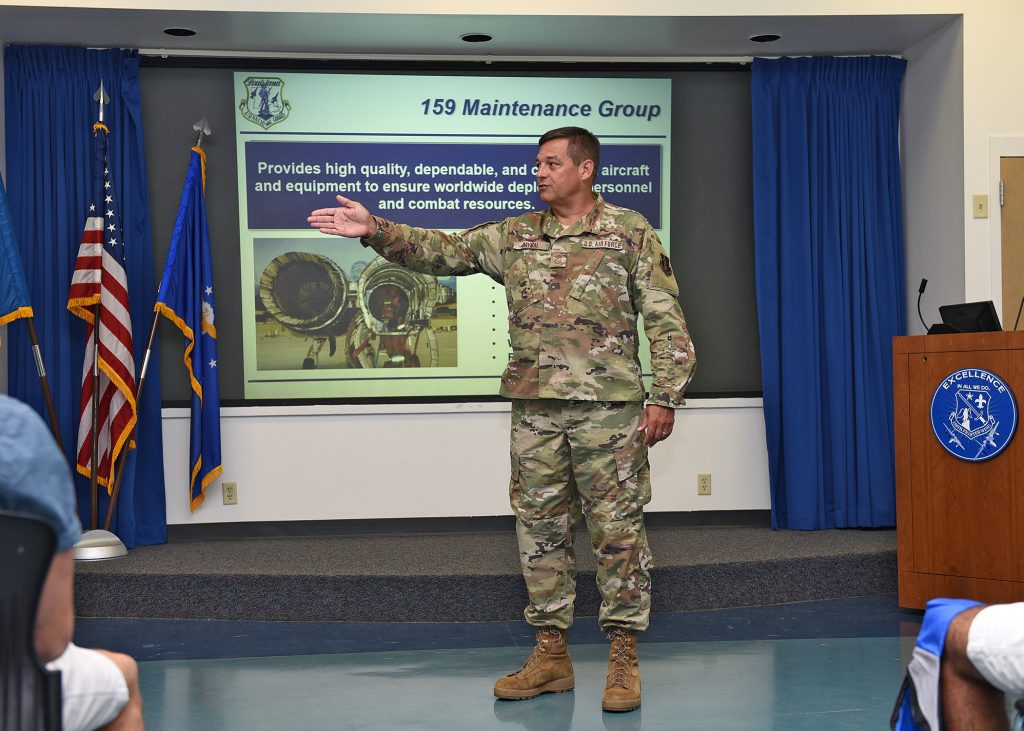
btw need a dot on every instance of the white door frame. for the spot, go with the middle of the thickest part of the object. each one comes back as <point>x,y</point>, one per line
<point>998,147</point>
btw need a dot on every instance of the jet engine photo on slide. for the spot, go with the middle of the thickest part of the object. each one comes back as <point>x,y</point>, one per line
<point>385,317</point>
<point>395,307</point>
<point>311,296</point>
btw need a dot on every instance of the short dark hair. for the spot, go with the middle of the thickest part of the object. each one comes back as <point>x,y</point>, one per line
<point>583,145</point>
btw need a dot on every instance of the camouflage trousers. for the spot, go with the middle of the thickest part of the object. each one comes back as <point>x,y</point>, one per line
<point>573,456</point>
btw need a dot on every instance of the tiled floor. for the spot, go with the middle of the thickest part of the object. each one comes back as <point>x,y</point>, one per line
<point>816,665</point>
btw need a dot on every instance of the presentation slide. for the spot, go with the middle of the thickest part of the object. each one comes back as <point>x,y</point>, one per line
<point>328,317</point>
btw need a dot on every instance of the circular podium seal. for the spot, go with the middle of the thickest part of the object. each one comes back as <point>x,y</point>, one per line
<point>974,414</point>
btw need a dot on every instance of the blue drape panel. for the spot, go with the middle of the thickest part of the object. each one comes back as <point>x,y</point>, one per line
<point>49,115</point>
<point>828,235</point>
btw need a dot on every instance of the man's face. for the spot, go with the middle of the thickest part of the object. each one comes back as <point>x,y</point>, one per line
<point>559,179</point>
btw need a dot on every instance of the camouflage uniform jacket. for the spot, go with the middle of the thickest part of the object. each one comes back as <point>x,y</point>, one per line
<point>574,294</point>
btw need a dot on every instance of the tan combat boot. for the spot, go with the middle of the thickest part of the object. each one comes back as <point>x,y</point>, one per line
<point>547,670</point>
<point>622,688</point>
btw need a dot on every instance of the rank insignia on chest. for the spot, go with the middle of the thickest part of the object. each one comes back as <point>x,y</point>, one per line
<point>559,259</point>
<point>666,265</point>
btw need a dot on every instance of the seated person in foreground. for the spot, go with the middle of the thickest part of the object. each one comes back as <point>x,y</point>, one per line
<point>100,688</point>
<point>967,657</point>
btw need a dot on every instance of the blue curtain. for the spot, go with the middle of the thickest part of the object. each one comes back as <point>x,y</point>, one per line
<point>49,114</point>
<point>828,237</point>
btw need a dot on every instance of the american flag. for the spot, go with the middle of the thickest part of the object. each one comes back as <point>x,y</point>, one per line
<point>100,279</point>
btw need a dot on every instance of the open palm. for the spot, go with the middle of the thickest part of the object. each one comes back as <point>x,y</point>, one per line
<point>349,219</point>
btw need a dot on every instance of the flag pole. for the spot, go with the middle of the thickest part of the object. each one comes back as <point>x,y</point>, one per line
<point>100,96</point>
<point>97,544</point>
<point>94,465</point>
<point>124,457</point>
<point>44,382</point>
<point>203,128</point>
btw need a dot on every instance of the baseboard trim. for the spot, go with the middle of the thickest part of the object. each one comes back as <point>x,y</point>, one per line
<point>472,524</point>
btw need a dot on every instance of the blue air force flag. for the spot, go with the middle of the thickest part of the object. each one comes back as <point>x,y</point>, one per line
<point>186,299</point>
<point>13,292</point>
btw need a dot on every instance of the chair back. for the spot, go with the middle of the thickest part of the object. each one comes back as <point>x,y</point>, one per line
<point>30,696</point>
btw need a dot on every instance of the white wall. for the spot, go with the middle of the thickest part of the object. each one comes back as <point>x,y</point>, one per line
<point>993,107</point>
<point>341,462</point>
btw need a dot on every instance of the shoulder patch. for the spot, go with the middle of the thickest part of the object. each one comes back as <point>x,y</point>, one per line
<point>662,276</point>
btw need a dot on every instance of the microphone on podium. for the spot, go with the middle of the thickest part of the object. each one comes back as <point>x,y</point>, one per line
<point>920,291</point>
<point>939,328</point>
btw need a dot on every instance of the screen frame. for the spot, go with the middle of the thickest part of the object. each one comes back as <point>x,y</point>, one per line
<point>746,387</point>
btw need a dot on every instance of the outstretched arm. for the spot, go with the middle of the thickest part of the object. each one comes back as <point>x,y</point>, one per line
<point>350,219</point>
<point>422,250</point>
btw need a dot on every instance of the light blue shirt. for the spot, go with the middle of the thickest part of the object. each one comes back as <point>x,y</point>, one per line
<point>34,476</point>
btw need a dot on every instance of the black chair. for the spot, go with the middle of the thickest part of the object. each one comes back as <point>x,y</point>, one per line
<point>30,695</point>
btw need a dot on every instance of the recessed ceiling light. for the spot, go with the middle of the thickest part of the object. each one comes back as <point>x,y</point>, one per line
<point>765,37</point>
<point>179,32</point>
<point>477,37</point>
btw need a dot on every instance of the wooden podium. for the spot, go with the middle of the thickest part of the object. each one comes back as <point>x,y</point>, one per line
<point>959,524</point>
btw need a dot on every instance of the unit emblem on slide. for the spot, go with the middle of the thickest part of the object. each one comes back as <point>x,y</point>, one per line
<point>264,103</point>
<point>974,414</point>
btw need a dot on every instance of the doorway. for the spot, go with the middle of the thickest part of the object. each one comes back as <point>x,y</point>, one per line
<point>1011,203</point>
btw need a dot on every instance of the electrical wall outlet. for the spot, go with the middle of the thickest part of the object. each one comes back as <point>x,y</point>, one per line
<point>230,493</point>
<point>703,483</point>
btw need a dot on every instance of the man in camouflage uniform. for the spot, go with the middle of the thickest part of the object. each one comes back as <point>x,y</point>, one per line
<point>576,277</point>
